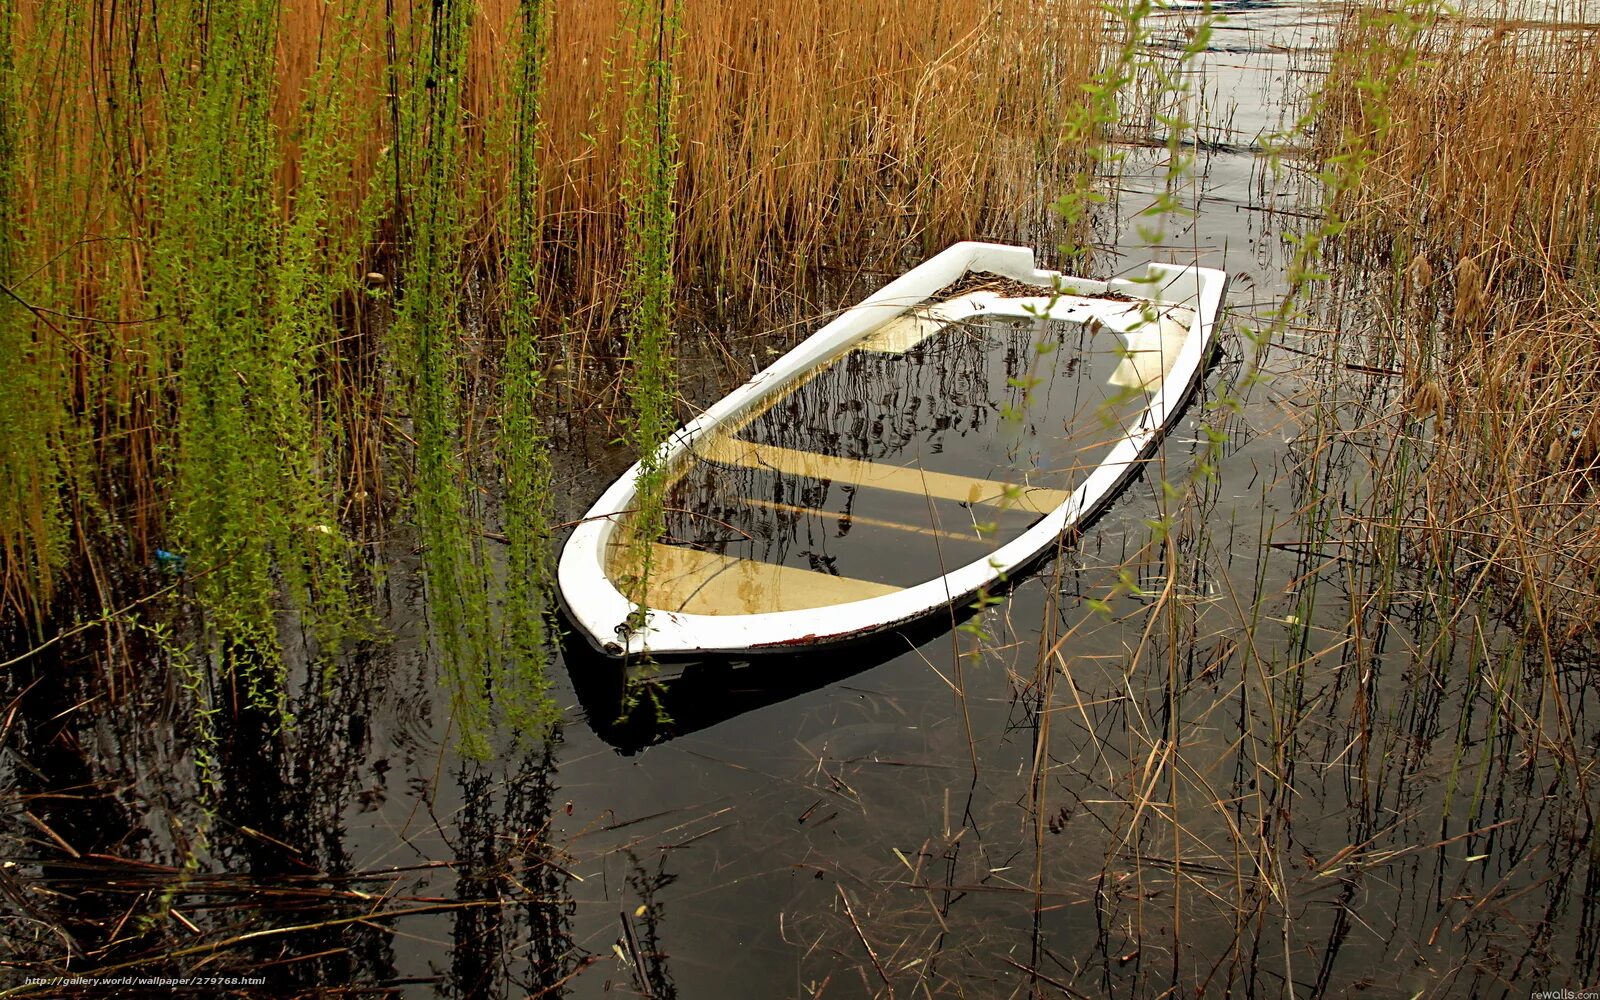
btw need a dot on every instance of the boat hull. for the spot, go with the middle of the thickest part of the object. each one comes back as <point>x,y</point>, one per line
<point>712,597</point>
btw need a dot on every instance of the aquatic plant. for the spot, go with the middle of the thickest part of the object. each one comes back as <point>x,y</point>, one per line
<point>524,447</point>
<point>427,358</point>
<point>245,308</point>
<point>648,191</point>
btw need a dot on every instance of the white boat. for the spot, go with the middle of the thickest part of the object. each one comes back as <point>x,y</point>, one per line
<point>913,452</point>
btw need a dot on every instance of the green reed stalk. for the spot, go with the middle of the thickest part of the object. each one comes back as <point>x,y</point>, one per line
<point>213,279</point>
<point>649,186</point>
<point>33,524</point>
<point>311,276</point>
<point>247,297</point>
<point>428,360</point>
<point>522,688</point>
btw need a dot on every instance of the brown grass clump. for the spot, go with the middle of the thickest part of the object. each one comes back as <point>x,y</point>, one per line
<point>1516,470</point>
<point>1485,149</point>
<point>1475,217</point>
<point>823,129</point>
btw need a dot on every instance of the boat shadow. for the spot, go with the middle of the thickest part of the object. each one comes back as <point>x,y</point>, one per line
<point>681,696</point>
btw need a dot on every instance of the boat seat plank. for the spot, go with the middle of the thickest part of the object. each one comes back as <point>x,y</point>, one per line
<point>874,522</point>
<point>966,489</point>
<point>705,583</point>
<point>902,333</point>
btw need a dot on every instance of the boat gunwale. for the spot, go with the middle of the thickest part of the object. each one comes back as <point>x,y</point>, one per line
<point>593,602</point>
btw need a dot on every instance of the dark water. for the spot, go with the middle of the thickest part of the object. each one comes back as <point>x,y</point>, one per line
<point>1193,755</point>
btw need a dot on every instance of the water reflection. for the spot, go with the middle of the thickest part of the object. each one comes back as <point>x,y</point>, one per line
<point>890,465</point>
<point>512,884</point>
<point>120,867</point>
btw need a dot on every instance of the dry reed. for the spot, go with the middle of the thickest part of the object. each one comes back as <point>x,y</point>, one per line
<point>1477,226</point>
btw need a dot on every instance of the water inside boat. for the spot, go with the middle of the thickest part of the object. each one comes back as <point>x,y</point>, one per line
<point>924,447</point>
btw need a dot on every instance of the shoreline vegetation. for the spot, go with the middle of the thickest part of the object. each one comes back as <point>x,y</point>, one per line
<point>1470,249</point>
<point>281,275</point>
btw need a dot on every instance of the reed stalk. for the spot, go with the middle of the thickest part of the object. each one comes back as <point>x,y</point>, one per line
<point>524,446</point>
<point>33,518</point>
<point>248,514</point>
<point>428,361</point>
<point>650,179</point>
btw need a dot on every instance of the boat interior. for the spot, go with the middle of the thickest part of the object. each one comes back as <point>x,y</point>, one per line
<point>922,447</point>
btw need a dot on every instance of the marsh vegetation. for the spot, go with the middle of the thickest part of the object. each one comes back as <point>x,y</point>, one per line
<point>320,323</point>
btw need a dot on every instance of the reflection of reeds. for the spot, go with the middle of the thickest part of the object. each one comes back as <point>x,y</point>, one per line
<point>298,894</point>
